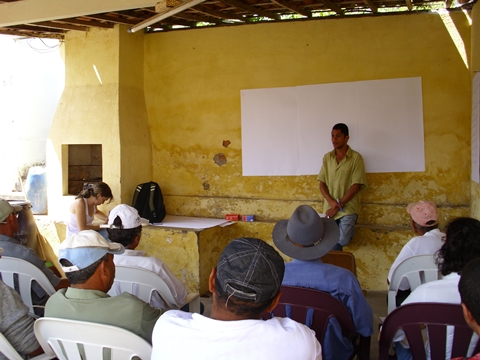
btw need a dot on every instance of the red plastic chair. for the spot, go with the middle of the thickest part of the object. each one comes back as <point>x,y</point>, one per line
<point>314,308</point>
<point>411,318</point>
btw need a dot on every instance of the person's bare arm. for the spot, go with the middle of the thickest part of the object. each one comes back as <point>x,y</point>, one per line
<point>100,215</point>
<point>78,208</point>
<point>334,207</point>
<point>352,190</point>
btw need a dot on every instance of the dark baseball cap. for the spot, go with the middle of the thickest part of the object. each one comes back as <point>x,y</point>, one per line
<point>250,269</point>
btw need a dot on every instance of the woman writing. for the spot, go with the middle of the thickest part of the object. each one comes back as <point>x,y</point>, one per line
<point>84,208</point>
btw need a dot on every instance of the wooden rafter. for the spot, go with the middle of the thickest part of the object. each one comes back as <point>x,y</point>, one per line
<point>38,29</point>
<point>17,32</point>
<point>113,19</point>
<point>189,16</point>
<point>293,8</point>
<point>371,5</point>
<point>334,7</point>
<point>251,9</point>
<point>219,14</point>
<point>409,4</point>
<point>55,25</point>
<point>89,23</point>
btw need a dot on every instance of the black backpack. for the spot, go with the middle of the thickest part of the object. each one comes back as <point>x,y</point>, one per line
<point>148,200</point>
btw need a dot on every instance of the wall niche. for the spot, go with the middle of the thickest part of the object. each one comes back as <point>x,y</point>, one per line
<point>84,165</point>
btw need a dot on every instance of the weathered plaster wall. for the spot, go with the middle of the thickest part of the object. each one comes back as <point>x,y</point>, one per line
<point>108,109</point>
<point>475,67</point>
<point>135,144</point>
<point>192,90</point>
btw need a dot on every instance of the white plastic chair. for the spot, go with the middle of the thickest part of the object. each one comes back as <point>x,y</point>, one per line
<point>418,270</point>
<point>144,283</point>
<point>75,340</point>
<point>27,273</point>
<point>8,350</point>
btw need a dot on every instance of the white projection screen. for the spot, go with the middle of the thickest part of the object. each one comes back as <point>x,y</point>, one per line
<point>286,131</point>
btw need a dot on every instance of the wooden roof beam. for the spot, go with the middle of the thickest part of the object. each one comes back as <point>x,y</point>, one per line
<point>36,29</point>
<point>293,8</point>
<point>17,32</point>
<point>409,4</point>
<point>91,23</point>
<point>114,19</point>
<point>334,7</point>
<point>251,9</point>
<point>219,14</point>
<point>371,5</point>
<point>187,16</point>
<point>55,25</point>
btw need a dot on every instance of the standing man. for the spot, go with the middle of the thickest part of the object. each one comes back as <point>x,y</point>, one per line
<point>342,177</point>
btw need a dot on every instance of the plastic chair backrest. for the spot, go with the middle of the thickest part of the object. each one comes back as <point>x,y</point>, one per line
<point>72,339</point>
<point>26,274</point>
<point>343,259</point>
<point>143,283</point>
<point>436,316</point>
<point>314,309</point>
<point>10,353</point>
<point>418,270</point>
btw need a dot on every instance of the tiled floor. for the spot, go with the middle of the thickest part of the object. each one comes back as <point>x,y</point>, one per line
<point>377,299</point>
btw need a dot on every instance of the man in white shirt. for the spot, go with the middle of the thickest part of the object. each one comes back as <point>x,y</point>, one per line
<point>126,229</point>
<point>424,222</point>
<point>245,283</point>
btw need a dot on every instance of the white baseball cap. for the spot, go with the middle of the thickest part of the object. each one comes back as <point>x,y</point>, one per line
<point>128,215</point>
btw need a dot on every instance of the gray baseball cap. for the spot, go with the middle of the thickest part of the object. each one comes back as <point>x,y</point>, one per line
<point>250,269</point>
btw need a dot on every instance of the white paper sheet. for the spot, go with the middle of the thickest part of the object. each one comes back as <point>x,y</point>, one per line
<point>193,223</point>
<point>286,131</point>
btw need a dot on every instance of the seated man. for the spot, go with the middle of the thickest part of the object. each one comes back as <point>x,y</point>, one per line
<point>469,288</point>
<point>245,283</point>
<point>424,222</point>
<point>126,229</point>
<point>13,248</point>
<point>87,260</point>
<point>462,244</point>
<point>306,237</point>
<point>15,322</point>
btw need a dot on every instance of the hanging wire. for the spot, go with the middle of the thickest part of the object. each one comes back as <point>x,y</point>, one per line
<point>47,49</point>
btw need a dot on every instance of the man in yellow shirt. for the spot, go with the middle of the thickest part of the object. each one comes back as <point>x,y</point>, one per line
<point>342,177</point>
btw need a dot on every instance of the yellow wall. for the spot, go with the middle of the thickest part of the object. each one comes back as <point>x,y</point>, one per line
<point>107,109</point>
<point>169,100</point>
<point>192,88</point>
<point>475,43</point>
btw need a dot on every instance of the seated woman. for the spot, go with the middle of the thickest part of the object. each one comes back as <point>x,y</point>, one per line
<point>84,208</point>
